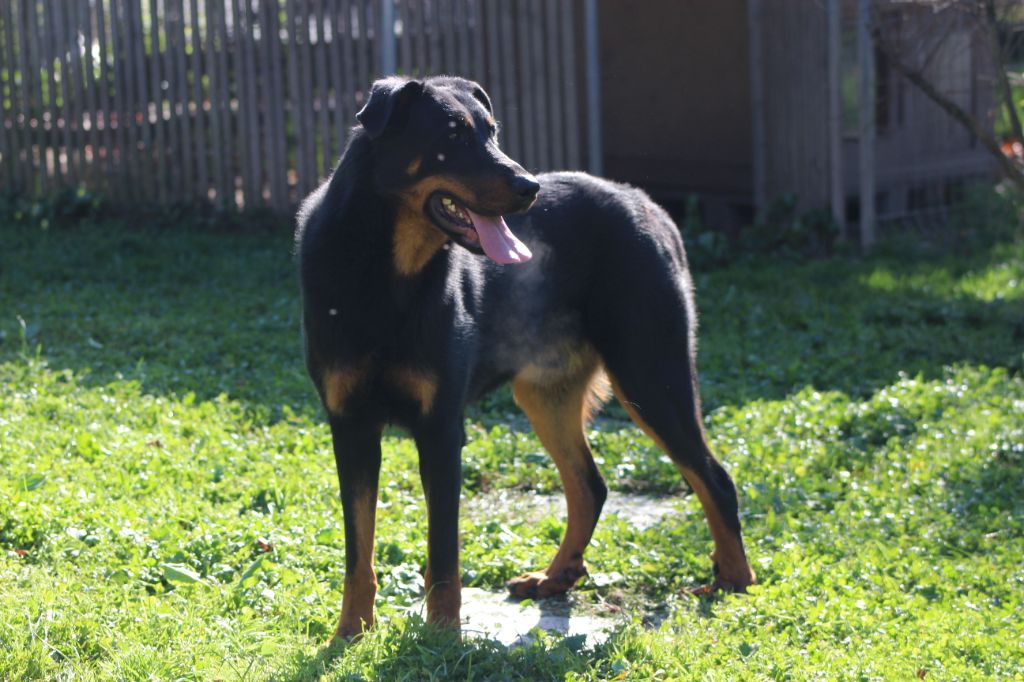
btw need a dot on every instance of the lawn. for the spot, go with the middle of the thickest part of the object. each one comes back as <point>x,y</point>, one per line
<point>169,507</point>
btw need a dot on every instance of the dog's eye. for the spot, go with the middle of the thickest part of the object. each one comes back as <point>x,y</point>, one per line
<point>461,133</point>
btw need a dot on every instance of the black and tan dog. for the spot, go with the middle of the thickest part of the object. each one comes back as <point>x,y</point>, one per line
<point>419,297</point>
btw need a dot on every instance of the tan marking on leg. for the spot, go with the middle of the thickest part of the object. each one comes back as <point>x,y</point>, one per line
<point>558,409</point>
<point>734,571</point>
<point>414,166</point>
<point>360,583</point>
<point>338,384</point>
<point>419,385</point>
<point>444,599</point>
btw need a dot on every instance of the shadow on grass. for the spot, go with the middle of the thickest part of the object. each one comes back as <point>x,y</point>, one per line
<point>416,651</point>
<point>187,312</point>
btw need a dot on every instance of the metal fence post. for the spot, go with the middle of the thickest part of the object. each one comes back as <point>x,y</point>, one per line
<point>387,37</point>
<point>866,47</point>
<point>594,153</point>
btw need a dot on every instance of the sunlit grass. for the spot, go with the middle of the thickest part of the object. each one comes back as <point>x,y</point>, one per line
<point>169,508</point>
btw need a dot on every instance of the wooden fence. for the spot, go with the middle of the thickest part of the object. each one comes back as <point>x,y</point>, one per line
<point>248,102</point>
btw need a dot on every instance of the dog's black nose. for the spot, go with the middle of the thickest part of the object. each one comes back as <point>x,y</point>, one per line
<point>526,186</point>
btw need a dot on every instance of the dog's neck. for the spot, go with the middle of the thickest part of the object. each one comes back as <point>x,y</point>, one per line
<point>409,236</point>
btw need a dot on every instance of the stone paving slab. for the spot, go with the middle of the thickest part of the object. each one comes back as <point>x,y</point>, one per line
<point>641,511</point>
<point>496,616</point>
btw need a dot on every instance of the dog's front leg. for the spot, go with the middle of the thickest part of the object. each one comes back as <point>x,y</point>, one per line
<point>357,453</point>
<point>440,449</point>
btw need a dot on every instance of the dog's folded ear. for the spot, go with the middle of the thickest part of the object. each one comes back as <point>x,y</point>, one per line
<point>388,98</point>
<point>482,97</point>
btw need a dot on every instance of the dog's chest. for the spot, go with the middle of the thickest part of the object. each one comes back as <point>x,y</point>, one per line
<point>380,387</point>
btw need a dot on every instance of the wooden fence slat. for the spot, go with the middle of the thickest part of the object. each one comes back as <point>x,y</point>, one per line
<point>255,85</point>
<point>556,158</point>
<point>89,87</point>
<point>51,50</point>
<point>173,153</point>
<point>281,95</point>
<point>19,98</point>
<point>320,99</point>
<point>294,97</point>
<point>493,81</point>
<point>215,53</point>
<point>269,102</point>
<point>184,100</point>
<point>132,61</point>
<point>305,134</point>
<point>465,44</point>
<point>120,99</point>
<point>348,48</point>
<point>71,88</point>
<point>403,45</point>
<point>240,114</point>
<point>447,34</point>
<point>525,67</point>
<point>536,81</point>
<point>371,14</point>
<point>134,95</point>
<point>36,84</point>
<point>8,146</point>
<point>478,59</point>
<point>162,162</point>
<point>363,60</point>
<point>511,79</point>
<point>432,21</point>
<point>202,155</point>
<point>6,176</point>
<point>143,118</point>
<point>569,89</point>
<point>174,19</point>
<point>246,95</point>
<point>107,139</point>
<point>418,24</point>
<point>48,49</point>
<point>340,90</point>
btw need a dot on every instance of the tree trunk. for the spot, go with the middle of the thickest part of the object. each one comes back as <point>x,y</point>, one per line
<point>999,63</point>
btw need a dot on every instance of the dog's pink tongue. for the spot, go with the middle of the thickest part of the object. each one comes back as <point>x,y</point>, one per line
<point>497,240</point>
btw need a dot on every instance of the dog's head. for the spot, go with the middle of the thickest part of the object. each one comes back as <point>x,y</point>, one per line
<point>436,150</point>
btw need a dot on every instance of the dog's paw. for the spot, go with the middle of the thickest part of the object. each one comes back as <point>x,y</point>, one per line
<point>739,587</point>
<point>349,631</point>
<point>541,585</point>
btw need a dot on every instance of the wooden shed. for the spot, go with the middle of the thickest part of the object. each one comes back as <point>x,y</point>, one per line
<point>743,101</point>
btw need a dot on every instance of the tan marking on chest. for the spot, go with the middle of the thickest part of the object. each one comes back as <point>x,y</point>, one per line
<point>417,384</point>
<point>415,242</point>
<point>416,239</point>
<point>340,383</point>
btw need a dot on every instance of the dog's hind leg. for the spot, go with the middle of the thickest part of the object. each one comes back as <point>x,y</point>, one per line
<point>558,409</point>
<point>664,404</point>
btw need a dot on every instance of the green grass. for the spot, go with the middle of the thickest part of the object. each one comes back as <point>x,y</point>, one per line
<point>169,508</point>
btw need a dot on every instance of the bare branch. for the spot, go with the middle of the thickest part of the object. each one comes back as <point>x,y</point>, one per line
<point>999,63</point>
<point>952,108</point>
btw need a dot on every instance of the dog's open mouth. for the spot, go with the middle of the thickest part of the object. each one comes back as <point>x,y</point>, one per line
<point>478,233</point>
